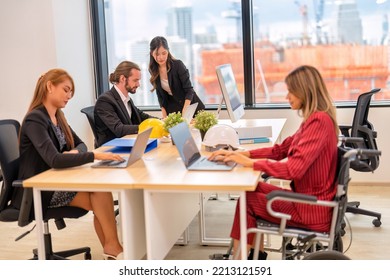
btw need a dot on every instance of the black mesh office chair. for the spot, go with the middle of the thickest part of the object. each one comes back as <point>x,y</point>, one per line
<point>362,128</point>
<point>9,162</point>
<point>89,112</point>
<point>23,214</point>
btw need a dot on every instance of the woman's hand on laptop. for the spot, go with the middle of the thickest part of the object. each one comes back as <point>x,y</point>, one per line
<point>108,156</point>
<point>226,156</point>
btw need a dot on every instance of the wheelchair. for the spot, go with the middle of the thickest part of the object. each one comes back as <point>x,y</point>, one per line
<point>298,243</point>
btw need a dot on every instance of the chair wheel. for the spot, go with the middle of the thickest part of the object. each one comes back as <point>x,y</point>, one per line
<point>87,256</point>
<point>376,222</point>
<point>326,255</point>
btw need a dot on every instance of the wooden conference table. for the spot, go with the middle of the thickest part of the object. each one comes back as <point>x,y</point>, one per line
<point>158,197</point>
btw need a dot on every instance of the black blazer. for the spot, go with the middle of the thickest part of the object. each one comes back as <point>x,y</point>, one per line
<point>40,150</point>
<point>181,88</point>
<point>112,119</point>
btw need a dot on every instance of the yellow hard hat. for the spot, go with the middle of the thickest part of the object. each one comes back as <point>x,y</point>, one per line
<point>157,125</point>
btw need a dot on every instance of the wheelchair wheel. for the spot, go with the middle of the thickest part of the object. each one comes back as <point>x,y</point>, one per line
<point>326,255</point>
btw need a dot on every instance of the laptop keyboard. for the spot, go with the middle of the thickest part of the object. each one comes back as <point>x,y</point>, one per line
<point>113,163</point>
<point>206,162</point>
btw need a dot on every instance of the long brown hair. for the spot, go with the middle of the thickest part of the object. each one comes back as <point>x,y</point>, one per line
<point>306,83</point>
<point>156,43</point>
<point>55,76</point>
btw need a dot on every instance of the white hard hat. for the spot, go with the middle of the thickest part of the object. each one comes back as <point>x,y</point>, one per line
<point>220,136</point>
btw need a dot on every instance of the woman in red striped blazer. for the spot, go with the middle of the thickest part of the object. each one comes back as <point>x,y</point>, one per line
<point>311,154</point>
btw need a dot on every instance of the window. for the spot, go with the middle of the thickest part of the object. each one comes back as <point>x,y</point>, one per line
<point>347,40</point>
<point>196,32</point>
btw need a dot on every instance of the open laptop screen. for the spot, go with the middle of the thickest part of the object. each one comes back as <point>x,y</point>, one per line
<point>185,143</point>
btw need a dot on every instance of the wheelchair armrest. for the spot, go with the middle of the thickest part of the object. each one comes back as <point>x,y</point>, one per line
<point>291,196</point>
<point>26,208</point>
<point>17,183</point>
<point>349,140</point>
<point>267,177</point>
<point>345,130</point>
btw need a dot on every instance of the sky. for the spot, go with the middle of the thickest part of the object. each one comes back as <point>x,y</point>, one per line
<point>142,20</point>
<point>275,15</point>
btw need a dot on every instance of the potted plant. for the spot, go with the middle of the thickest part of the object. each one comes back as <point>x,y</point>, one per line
<point>204,120</point>
<point>171,120</point>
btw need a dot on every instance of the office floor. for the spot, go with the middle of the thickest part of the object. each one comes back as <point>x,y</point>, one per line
<point>368,242</point>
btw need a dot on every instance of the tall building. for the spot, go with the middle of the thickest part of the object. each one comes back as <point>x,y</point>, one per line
<point>180,22</point>
<point>180,25</point>
<point>349,28</point>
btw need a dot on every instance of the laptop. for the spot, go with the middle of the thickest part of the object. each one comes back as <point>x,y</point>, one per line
<point>190,111</point>
<point>189,152</point>
<point>137,152</point>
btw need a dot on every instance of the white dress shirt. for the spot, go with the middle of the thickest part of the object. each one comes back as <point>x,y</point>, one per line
<point>124,99</point>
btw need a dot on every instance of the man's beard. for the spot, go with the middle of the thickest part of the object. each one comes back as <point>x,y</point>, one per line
<point>131,90</point>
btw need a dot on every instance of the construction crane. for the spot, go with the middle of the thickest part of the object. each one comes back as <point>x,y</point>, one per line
<point>319,12</point>
<point>303,11</point>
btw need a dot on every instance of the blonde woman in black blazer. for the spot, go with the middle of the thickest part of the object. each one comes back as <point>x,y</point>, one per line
<point>47,141</point>
<point>171,79</point>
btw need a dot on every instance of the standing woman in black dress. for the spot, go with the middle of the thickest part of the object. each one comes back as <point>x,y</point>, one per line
<point>171,79</point>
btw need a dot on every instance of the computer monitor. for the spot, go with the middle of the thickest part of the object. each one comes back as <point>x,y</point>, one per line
<point>230,93</point>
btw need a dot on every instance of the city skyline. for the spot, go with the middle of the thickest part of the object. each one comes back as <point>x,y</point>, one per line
<point>282,29</point>
<point>279,18</point>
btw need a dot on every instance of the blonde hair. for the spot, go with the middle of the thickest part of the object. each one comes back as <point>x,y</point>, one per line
<point>55,76</point>
<point>307,84</point>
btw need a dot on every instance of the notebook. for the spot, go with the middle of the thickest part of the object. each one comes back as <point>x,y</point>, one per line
<point>189,112</point>
<point>137,151</point>
<point>189,152</point>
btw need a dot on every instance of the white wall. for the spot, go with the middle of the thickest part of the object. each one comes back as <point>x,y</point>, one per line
<point>37,35</point>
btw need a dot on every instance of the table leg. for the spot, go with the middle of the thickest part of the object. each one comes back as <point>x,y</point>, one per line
<point>204,240</point>
<point>167,215</point>
<point>132,224</point>
<point>243,226</point>
<point>39,222</point>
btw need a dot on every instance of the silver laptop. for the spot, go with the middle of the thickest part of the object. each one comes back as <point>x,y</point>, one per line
<point>189,152</point>
<point>136,153</point>
<point>189,112</point>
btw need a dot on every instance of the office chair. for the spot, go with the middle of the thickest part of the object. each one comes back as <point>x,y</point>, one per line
<point>362,128</point>
<point>312,245</point>
<point>89,112</point>
<point>24,213</point>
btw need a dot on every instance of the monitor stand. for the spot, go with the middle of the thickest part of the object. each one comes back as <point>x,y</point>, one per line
<point>247,128</point>
<point>220,106</point>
